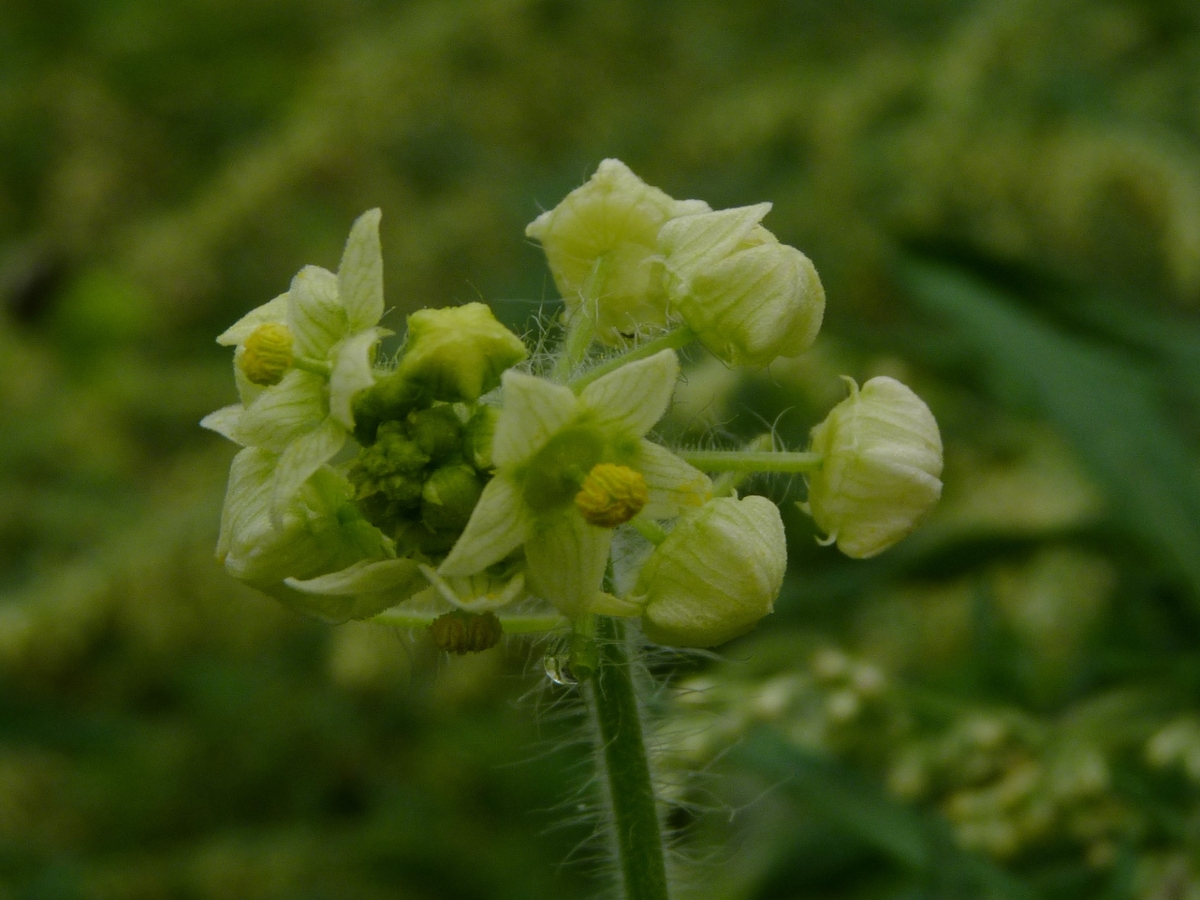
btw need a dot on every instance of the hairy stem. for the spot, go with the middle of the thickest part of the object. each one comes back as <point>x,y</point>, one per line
<point>672,340</point>
<point>622,752</point>
<point>750,460</point>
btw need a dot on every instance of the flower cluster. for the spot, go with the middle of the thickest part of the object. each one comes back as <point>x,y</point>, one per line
<point>463,477</point>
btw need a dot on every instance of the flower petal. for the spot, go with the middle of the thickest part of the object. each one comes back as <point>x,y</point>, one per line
<point>675,487</point>
<point>533,410</point>
<point>315,314</point>
<point>224,421</point>
<point>247,498</point>
<point>271,311</point>
<point>691,243</point>
<point>352,372</point>
<point>566,559</point>
<point>634,397</point>
<point>282,413</point>
<point>360,275</point>
<point>366,577</point>
<point>300,460</point>
<point>499,525</point>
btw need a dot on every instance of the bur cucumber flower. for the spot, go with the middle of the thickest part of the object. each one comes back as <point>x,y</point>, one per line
<point>881,467</point>
<point>547,441</point>
<point>332,321</point>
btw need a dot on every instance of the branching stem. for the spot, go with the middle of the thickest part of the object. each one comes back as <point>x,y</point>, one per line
<point>512,624</point>
<point>750,460</point>
<point>672,340</point>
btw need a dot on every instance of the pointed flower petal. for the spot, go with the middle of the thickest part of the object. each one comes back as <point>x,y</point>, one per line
<point>284,412</point>
<point>352,372</point>
<point>675,487</point>
<point>566,559</point>
<point>499,525</point>
<point>533,410</point>
<point>271,311</point>
<point>634,397</point>
<point>360,275</point>
<point>224,421</point>
<point>315,315</point>
<point>401,576</point>
<point>692,242</point>
<point>300,460</point>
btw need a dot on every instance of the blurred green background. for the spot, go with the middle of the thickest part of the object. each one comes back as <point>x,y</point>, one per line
<point>1003,199</point>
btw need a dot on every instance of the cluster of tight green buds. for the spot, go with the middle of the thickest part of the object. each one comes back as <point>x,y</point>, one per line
<point>463,477</point>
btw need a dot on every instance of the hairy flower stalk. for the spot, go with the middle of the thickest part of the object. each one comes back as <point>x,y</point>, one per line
<point>462,490</point>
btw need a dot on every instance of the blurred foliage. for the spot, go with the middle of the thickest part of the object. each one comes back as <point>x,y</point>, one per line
<point>1003,199</point>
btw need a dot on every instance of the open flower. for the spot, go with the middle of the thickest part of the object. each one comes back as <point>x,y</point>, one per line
<point>301,358</point>
<point>547,441</point>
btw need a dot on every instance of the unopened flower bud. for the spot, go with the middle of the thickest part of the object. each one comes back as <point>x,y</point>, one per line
<point>437,431</point>
<point>601,244</point>
<point>716,574</point>
<point>463,632</point>
<point>459,352</point>
<point>449,497</point>
<point>266,354</point>
<point>749,298</point>
<point>881,467</point>
<point>611,495</point>
<point>477,438</point>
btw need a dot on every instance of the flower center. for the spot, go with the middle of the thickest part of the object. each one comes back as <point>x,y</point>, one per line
<point>554,475</point>
<point>267,354</point>
<point>611,495</point>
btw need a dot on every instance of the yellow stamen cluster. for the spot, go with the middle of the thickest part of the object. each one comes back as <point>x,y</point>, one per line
<point>267,354</point>
<point>611,495</point>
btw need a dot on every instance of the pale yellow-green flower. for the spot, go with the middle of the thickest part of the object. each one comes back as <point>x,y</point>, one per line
<point>458,353</point>
<point>881,467</point>
<point>601,243</point>
<point>749,298</point>
<point>715,575</point>
<point>331,321</point>
<point>546,442</point>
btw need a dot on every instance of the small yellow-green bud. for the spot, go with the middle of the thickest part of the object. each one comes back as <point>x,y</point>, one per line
<point>477,437</point>
<point>749,298</point>
<point>437,431</point>
<point>391,398</point>
<point>611,495</point>
<point>449,497</point>
<point>601,243</point>
<point>881,467</point>
<point>717,573</point>
<point>267,354</point>
<point>463,632</point>
<point>459,352</point>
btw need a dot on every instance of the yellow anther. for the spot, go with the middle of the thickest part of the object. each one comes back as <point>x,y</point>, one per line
<point>267,354</point>
<point>611,495</point>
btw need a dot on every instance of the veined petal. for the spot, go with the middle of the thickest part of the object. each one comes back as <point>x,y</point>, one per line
<point>634,397</point>
<point>692,242</point>
<point>224,421</point>
<point>675,487</point>
<point>282,413</point>
<point>352,372</point>
<point>315,314</point>
<point>499,525</point>
<point>247,498</point>
<point>566,559</point>
<point>532,410</point>
<point>300,460</point>
<point>271,311</point>
<point>403,576</point>
<point>360,275</point>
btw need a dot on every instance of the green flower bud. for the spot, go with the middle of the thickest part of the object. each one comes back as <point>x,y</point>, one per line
<point>420,537</point>
<point>437,431</point>
<point>449,497</point>
<point>458,353</point>
<point>266,355</point>
<point>716,574</point>
<point>749,298</point>
<point>881,467</point>
<point>601,243</point>
<point>390,399</point>
<point>477,438</point>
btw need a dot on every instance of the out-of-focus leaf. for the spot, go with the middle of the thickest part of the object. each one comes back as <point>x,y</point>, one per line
<point>1105,404</point>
